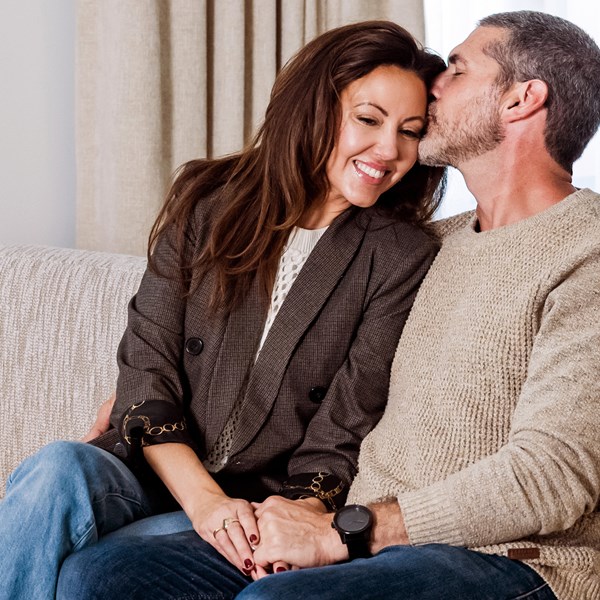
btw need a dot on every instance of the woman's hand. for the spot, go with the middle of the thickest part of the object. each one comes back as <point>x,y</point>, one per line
<point>229,525</point>
<point>102,419</point>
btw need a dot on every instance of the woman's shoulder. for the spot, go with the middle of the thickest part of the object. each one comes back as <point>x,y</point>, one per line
<point>206,207</point>
<point>389,233</point>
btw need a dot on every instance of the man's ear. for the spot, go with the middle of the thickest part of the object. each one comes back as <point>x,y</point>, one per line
<point>523,99</point>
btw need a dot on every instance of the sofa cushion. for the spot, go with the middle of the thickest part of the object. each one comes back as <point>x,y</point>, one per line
<point>62,314</point>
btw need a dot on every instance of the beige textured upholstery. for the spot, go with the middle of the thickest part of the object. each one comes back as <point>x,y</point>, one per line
<point>62,314</point>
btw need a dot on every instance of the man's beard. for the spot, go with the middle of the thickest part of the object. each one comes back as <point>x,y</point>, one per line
<point>478,131</point>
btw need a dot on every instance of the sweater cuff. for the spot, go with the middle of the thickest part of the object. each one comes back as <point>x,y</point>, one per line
<point>430,518</point>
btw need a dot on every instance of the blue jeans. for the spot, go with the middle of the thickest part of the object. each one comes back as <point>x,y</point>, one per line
<point>58,501</point>
<point>431,572</point>
<point>184,567</point>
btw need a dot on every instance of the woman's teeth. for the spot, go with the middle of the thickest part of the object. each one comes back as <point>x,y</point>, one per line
<point>370,171</point>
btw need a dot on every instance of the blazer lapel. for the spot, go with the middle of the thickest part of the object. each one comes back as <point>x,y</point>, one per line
<point>238,349</point>
<point>316,281</point>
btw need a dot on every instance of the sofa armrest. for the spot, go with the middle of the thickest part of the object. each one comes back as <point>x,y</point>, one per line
<point>62,315</point>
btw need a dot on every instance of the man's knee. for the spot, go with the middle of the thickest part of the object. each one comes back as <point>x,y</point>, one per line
<point>277,587</point>
<point>78,581</point>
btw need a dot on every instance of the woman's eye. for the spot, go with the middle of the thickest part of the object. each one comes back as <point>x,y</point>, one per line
<point>367,120</point>
<point>457,73</point>
<point>409,133</point>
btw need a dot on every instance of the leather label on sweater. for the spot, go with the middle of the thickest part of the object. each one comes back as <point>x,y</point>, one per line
<point>524,553</point>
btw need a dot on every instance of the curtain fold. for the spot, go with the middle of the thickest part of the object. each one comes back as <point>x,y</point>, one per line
<point>160,82</point>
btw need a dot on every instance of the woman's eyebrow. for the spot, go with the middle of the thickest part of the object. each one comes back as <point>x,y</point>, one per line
<point>415,118</point>
<point>380,108</point>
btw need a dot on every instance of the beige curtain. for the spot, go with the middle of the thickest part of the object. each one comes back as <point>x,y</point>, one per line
<point>160,82</point>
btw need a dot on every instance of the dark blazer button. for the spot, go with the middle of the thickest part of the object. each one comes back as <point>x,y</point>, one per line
<point>194,346</point>
<point>317,394</point>
<point>119,450</point>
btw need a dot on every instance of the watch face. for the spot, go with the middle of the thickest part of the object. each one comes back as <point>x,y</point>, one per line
<point>353,518</point>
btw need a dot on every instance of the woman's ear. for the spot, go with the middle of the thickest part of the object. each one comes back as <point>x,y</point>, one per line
<point>523,99</point>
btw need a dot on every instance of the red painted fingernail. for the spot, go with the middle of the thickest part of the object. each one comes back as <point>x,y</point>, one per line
<point>253,539</point>
<point>248,563</point>
<point>280,569</point>
<point>246,572</point>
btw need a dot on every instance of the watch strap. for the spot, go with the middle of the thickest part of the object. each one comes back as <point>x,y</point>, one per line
<point>358,547</point>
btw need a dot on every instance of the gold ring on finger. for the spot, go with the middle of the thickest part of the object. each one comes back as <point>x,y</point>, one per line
<point>217,531</point>
<point>228,522</point>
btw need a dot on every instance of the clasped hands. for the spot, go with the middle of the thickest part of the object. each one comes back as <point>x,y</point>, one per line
<point>277,534</point>
<point>258,538</point>
<point>272,536</point>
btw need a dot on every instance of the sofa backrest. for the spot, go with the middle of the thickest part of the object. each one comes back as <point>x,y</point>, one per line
<point>62,314</point>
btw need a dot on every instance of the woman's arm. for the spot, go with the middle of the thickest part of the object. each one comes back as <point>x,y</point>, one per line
<point>151,396</point>
<point>205,503</point>
<point>357,395</point>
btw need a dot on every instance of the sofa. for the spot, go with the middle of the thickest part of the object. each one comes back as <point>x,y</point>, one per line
<point>62,315</point>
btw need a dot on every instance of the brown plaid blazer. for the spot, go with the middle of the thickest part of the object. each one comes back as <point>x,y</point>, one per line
<point>320,382</point>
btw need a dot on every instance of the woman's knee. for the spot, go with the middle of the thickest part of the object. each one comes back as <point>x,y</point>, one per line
<point>70,467</point>
<point>55,462</point>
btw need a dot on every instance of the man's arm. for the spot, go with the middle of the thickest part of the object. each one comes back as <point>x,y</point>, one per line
<point>547,476</point>
<point>303,536</point>
<point>544,480</point>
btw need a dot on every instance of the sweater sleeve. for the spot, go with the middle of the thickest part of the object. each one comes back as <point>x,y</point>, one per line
<point>548,474</point>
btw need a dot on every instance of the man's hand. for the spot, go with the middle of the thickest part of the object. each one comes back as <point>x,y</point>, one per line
<point>299,533</point>
<point>102,419</point>
<point>295,532</point>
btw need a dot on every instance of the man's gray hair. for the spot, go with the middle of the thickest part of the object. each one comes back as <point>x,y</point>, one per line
<point>545,47</point>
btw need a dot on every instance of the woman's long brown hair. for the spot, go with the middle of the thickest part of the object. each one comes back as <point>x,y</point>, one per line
<point>280,176</point>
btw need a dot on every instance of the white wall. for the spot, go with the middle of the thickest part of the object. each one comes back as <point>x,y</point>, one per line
<point>37,108</point>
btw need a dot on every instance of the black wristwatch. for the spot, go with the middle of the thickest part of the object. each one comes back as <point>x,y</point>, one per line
<point>354,523</point>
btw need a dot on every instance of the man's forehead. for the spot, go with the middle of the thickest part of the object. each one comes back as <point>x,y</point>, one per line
<point>472,49</point>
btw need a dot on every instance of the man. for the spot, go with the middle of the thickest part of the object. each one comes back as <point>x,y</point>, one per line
<point>482,479</point>
<point>483,476</point>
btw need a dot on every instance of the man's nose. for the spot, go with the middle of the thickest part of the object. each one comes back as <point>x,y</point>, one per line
<point>438,84</point>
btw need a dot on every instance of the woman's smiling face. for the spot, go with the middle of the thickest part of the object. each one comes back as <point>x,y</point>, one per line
<point>383,115</point>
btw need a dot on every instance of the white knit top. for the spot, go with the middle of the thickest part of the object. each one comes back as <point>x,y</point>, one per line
<point>300,244</point>
<point>491,435</point>
<point>298,248</point>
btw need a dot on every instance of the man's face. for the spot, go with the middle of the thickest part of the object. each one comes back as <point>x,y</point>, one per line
<point>464,119</point>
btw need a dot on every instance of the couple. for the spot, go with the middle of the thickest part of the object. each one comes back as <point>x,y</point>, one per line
<point>482,477</point>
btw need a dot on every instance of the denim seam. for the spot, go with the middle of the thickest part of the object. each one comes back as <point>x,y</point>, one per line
<point>123,497</point>
<point>201,597</point>
<point>85,535</point>
<point>528,594</point>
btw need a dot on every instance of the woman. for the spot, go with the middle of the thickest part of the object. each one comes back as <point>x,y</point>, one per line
<point>258,346</point>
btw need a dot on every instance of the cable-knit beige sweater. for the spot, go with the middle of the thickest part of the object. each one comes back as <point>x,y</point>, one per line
<point>491,436</point>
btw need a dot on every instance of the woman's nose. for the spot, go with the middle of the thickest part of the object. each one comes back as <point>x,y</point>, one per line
<point>387,147</point>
